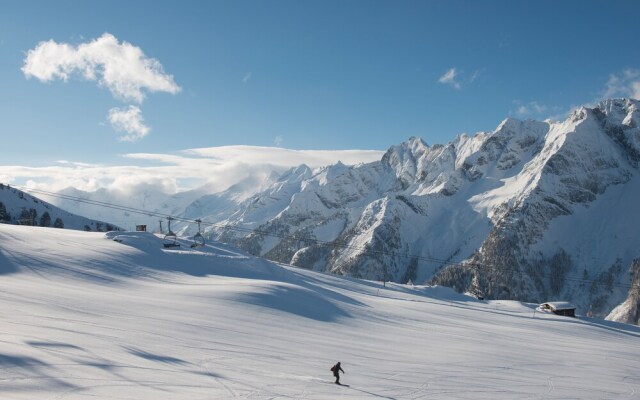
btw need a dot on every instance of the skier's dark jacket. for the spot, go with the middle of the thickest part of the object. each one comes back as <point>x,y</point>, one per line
<point>336,368</point>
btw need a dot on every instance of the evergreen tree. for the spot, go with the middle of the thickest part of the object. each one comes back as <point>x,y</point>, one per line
<point>25,218</point>
<point>45,220</point>
<point>33,214</point>
<point>58,223</point>
<point>4,215</point>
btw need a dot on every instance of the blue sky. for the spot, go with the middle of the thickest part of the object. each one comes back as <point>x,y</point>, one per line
<point>310,75</point>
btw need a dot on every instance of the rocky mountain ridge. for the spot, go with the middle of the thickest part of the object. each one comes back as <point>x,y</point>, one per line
<point>533,211</point>
<point>493,213</point>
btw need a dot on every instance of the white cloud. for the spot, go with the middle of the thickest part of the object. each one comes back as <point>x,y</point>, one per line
<point>284,157</point>
<point>143,180</point>
<point>456,78</point>
<point>530,108</point>
<point>246,78</point>
<point>75,163</point>
<point>625,84</point>
<point>476,74</point>
<point>128,120</point>
<point>522,110</point>
<point>218,167</point>
<point>121,67</point>
<point>449,78</point>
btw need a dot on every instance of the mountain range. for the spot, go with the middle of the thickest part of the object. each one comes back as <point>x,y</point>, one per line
<point>533,211</point>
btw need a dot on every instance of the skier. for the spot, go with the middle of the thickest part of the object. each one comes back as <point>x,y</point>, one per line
<point>336,372</point>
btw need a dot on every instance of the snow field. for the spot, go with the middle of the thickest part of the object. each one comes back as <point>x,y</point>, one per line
<point>85,317</point>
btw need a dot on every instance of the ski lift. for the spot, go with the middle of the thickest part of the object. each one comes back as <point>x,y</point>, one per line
<point>198,239</point>
<point>170,239</point>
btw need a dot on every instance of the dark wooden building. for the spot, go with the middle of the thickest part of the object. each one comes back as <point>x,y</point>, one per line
<point>559,308</point>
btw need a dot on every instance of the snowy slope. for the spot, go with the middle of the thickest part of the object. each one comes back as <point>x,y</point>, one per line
<point>84,316</point>
<point>18,207</point>
<point>546,206</point>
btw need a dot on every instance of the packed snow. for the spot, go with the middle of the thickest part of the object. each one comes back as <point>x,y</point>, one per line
<point>86,316</point>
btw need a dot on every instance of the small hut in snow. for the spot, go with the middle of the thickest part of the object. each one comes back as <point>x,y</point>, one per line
<point>559,308</point>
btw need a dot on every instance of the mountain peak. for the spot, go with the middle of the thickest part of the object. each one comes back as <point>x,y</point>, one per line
<point>417,141</point>
<point>413,146</point>
<point>298,173</point>
<point>509,122</point>
<point>620,111</point>
<point>405,157</point>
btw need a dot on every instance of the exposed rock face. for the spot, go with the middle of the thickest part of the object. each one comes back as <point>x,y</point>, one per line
<point>629,311</point>
<point>592,152</point>
<point>532,211</point>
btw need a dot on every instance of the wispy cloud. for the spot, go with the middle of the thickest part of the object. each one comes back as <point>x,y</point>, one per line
<point>77,163</point>
<point>621,84</point>
<point>218,167</point>
<point>505,41</point>
<point>449,78</point>
<point>624,84</point>
<point>144,180</point>
<point>278,140</point>
<point>284,157</point>
<point>119,66</point>
<point>530,108</point>
<point>128,120</point>
<point>457,78</point>
<point>476,74</point>
<point>246,78</point>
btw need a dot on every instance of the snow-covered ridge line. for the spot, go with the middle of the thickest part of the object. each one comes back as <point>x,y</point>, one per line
<point>548,206</point>
<point>504,198</point>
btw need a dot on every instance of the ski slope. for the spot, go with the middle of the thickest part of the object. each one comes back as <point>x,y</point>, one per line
<point>86,317</point>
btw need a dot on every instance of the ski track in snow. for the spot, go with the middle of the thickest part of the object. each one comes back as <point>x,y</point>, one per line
<point>76,326</point>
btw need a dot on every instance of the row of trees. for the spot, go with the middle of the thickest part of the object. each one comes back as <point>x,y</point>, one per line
<point>5,217</point>
<point>29,217</point>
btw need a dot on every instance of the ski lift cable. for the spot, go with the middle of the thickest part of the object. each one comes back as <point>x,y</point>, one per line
<point>334,244</point>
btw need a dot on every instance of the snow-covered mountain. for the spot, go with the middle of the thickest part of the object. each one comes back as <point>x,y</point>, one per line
<point>532,211</point>
<point>155,202</point>
<point>18,207</point>
<point>117,316</point>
